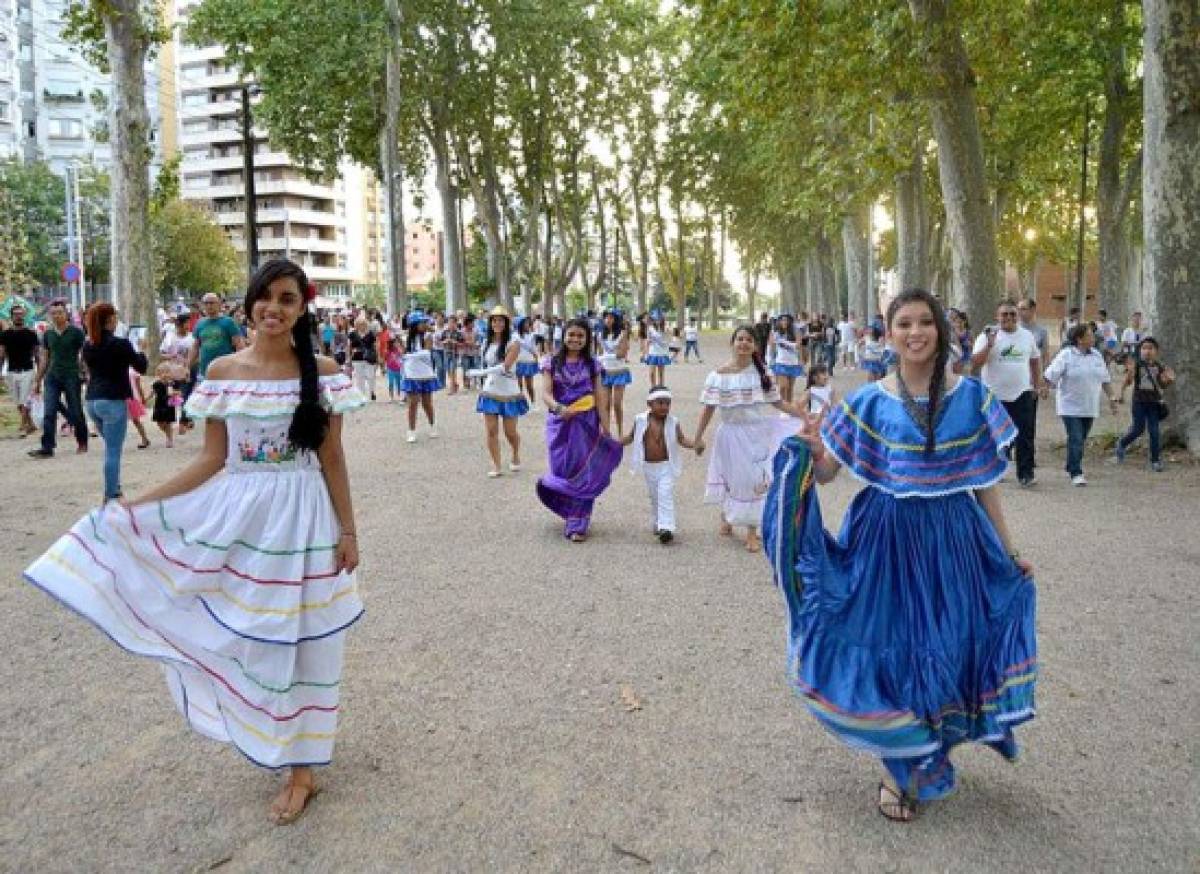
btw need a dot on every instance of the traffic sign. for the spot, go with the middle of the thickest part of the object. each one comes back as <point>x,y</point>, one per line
<point>70,272</point>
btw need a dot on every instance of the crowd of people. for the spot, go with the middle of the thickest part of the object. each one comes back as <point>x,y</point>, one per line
<point>899,643</point>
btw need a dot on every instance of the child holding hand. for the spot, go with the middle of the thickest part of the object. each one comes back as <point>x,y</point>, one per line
<point>656,438</point>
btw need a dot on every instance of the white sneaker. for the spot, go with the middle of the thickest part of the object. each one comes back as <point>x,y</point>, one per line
<point>1079,480</point>
<point>432,432</point>
<point>412,437</point>
<point>515,468</point>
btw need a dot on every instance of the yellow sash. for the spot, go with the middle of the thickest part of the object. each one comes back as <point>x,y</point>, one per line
<point>585,403</point>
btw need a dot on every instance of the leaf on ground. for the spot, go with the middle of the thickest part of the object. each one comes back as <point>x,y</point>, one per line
<point>630,699</point>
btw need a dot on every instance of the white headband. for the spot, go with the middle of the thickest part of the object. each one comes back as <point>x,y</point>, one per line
<point>659,394</point>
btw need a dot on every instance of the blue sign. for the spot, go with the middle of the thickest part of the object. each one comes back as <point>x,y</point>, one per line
<point>70,272</point>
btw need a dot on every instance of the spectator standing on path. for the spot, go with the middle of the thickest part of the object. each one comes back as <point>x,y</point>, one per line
<point>1065,326</point>
<point>1079,373</point>
<point>762,334</point>
<point>216,335</point>
<point>58,378</point>
<point>364,356</point>
<point>1149,377</point>
<point>1027,311</point>
<point>1131,337</point>
<point>18,346</point>
<point>691,341</point>
<point>1107,336</point>
<point>177,342</point>
<point>848,340</point>
<point>108,359</point>
<point>1012,369</point>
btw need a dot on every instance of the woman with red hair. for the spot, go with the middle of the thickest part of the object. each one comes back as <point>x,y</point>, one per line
<point>108,359</point>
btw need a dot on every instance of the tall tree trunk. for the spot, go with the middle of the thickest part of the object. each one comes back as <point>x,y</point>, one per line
<point>127,41</point>
<point>642,237</point>
<point>1113,193</point>
<point>714,302</point>
<point>812,283</point>
<point>393,173</point>
<point>448,194</point>
<point>1171,199</point>
<point>912,224</point>
<point>828,287</point>
<point>751,293</point>
<point>854,245</point>
<point>974,257</point>
<point>1027,274</point>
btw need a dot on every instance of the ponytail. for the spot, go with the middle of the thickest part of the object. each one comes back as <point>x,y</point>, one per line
<point>310,422</point>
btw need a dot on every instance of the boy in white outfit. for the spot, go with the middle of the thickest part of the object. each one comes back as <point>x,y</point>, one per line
<point>656,438</point>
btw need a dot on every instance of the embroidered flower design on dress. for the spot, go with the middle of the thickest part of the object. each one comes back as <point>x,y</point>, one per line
<point>267,451</point>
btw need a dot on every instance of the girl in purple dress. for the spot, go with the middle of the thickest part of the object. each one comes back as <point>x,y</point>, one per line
<point>583,453</point>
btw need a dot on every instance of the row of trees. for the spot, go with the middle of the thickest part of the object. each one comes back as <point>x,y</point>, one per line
<point>588,133</point>
<point>190,252</point>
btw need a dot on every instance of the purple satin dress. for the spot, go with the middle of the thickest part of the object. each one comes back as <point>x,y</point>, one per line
<point>582,458</point>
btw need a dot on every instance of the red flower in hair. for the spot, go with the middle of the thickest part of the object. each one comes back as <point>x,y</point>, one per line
<point>310,293</point>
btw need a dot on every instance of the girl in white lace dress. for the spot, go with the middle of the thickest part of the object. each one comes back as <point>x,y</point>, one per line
<point>237,574</point>
<point>739,469</point>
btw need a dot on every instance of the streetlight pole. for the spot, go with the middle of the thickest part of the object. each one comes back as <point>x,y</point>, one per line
<point>250,234</point>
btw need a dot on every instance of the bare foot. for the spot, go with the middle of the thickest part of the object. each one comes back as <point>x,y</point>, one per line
<point>753,544</point>
<point>293,798</point>
<point>726,530</point>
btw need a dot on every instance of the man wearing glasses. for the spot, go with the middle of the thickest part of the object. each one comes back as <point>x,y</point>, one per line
<point>1011,363</point>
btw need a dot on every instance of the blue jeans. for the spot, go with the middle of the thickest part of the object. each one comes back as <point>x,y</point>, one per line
<point>1078,428</point>
<point>111,418</point>
<point>439,365</point>
<point>1145,418</point>
<point>56,390</point>
<point>689,347</point>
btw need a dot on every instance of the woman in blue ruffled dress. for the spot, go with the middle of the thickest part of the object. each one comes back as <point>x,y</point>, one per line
<point>500,399</point>
<point>913,630</point>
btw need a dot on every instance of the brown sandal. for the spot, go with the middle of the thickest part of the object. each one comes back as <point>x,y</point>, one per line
<point>287,815</point>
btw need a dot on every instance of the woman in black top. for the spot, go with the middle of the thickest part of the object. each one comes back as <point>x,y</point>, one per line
<point>108,359</point>
<point>364,356</point>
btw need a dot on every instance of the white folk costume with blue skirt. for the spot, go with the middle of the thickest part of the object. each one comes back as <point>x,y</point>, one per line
<point>787,358</point>
<point>659,353</point>
<point>420,377</point>
<point>871,358</point>
<point>501,393</point>
<point>913,630</point>
<point>527,358</point>
<point>232,587</point>
<point>613,371</point>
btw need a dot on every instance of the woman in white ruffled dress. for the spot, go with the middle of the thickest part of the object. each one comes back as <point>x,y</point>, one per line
<point>237,574</point>
<point>739,469</point>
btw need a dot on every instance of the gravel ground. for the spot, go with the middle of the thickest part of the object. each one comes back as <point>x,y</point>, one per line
<point>487,722</point>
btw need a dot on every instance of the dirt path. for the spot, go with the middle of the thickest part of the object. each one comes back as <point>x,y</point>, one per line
<point>487,691</point>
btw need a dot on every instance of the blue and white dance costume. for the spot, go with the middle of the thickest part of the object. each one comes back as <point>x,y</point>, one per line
<point>419,374</point>
<point>614,371</point>
<point>501,393</point>
<point>913,630</point>
<point>871,358</point>
<point>787,357</point>
<point>659,352</point>
<point>527,358</point>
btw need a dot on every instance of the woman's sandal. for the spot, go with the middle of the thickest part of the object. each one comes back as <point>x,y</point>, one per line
<point>753,544</point>
<point>894,805</point>
<point>144,444</point>
<point>726,530</point>
<point>577,538</point>
<point>286,815</point>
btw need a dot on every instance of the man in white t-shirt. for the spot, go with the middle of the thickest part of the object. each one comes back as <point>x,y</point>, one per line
<point>1131,337</point>
<point>847,339</point>
<point>1012,369</point>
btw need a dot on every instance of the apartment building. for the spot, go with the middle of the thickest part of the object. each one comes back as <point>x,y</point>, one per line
<point>10,117</point>
<point>296,217</point>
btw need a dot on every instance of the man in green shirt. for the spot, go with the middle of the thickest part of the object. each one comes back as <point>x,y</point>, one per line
<point>58,379</point>
<point>216,335</point>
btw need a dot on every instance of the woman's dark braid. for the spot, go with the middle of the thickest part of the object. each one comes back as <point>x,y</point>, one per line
<point>761,367</point>
<point>937,382</point>
<point>310,422</point>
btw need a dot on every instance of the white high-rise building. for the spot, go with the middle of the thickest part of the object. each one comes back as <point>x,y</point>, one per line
<point>61,114</point>
<point>10,107</point>
<point>296,218</point>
